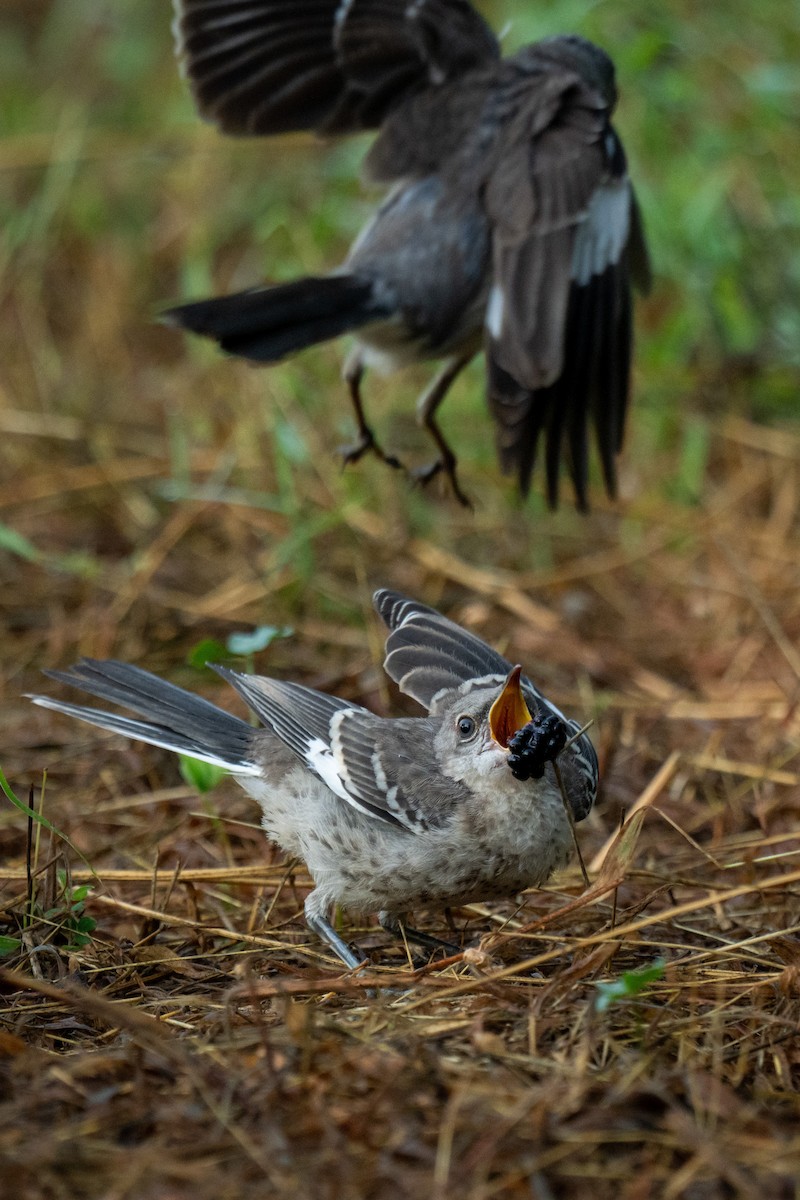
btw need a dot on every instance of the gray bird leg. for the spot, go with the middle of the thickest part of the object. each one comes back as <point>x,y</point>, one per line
<point>326,933</point>
<point>353,373</point>
<point>427,405</point>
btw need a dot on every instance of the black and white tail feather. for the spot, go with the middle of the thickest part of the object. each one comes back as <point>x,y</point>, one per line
<point>265,324</point>
<point>175,719</point>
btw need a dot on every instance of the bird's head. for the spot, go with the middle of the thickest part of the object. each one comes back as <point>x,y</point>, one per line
<point>478,725</point>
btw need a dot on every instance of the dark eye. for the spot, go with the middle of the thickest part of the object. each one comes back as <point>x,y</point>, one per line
<point>466,727</point>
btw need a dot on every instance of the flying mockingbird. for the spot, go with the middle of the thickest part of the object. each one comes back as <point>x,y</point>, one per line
<point>510,222</point>
<point>461,805</point>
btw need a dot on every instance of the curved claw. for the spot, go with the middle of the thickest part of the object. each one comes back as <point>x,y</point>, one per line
<point>423,476</point>
<point>367,444</point>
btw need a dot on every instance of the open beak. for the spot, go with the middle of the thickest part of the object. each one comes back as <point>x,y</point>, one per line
<point>509,711</point>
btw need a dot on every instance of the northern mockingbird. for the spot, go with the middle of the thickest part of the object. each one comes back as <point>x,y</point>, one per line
<point>389,815</point>
<point>510,221</point>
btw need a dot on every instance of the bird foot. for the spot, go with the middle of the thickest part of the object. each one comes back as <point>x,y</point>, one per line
<point>423,476</point>
<point>366,444</point>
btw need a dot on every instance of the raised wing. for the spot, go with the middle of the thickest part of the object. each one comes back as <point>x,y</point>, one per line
<point>427,655</point>
<point>334,66</point>
<point>565,227</point>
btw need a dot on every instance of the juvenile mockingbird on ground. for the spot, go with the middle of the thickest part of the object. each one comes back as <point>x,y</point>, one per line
<point>510,222</point>
<point>460,805</point>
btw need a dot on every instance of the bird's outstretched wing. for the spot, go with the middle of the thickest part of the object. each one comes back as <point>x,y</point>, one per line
<point>426,654</point>
<point>429,656</point>
<point>567,242</point>
<point>334,66</point>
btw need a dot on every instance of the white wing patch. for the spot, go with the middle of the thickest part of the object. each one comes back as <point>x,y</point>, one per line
<point>494,312</point>
<point>320,759</point>
<point>603,233</point>
<point>341,13</point>
<point>329,762</point>
<point>380,774</point>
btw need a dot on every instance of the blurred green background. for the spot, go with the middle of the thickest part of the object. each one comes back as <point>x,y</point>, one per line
<point>116,200</point>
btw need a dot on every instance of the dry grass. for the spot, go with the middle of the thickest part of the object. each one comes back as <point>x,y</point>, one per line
<point>200,1043</point>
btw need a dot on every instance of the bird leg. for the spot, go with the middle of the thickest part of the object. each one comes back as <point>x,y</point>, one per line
<point>398,928</point>
<point>326,933</point>
<point>353,374</point>
<point>427,405</point>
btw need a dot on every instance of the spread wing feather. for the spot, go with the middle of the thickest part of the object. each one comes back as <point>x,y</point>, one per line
<point>334,66</point>
<point>426,653</point>
<point>558,327</point>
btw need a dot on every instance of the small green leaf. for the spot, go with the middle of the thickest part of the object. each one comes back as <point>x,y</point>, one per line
<point>258,639</point>
<point>40,819</point>
<point>200,775</point>
<point>17,543</point>
<point>209,650</point>
<point>9,945</point>
<point>80,893</point>
<point>629,984</point>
